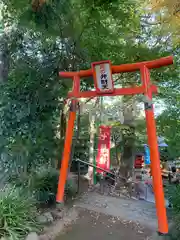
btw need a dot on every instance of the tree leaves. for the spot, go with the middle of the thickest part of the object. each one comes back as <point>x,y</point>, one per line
<point>68,35</point>
<point>169,125</point>
<point>167,15</point>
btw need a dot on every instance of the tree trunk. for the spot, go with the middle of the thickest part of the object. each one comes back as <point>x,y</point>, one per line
<point>126,163</point>
<point>117,153</point>
<point>4,58</point>
<point>91,145</point>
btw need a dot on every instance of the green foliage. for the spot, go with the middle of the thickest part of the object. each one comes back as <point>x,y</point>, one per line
<point>17,214</point>
<point>43,185</point>
<point>31,14</point>
<point>175,198</point>
<point>70,189</point>
<point>174,195</point>
<point>67,35</point>
<point>29,107</point>
<point>168,126</point>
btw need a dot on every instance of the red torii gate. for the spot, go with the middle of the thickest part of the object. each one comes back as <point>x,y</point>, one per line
<point>99,69</point>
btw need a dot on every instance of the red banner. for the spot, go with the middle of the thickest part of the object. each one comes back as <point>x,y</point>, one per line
<point>103,155</point>
<point>139,161</point>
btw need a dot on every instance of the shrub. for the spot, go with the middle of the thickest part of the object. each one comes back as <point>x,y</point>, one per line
<point>70,188</point>
<point>18,180</point>
<point>43,184</point>
<point>17,214</point>
<point>174,196</point>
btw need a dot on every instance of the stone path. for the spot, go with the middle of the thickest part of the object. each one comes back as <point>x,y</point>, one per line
<point>131,210</point>
<point>109,218</point>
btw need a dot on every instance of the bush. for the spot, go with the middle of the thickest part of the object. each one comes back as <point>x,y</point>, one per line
<point>70,188</point>
<point>43,184</point>
<point>17,214</point>
<point>174,196</point>
<point>17,180</point>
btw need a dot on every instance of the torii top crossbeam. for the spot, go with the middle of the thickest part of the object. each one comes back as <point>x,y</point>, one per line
<point>76,77</point>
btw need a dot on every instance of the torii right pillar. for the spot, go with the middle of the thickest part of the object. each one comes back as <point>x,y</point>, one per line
<point>154,154</point>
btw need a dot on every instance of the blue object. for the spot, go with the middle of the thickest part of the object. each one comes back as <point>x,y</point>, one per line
<point>146,155</point>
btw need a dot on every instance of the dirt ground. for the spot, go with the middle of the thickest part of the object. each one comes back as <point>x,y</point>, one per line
<point>140,212</point>
<point>111,218</point>
<point>92,225</point>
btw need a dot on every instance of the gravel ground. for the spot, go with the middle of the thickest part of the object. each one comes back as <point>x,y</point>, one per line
<point>92,225</point>
<point>111,218</point>
<point>127,209</point>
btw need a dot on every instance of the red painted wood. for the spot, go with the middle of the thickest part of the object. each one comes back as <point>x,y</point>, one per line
<point>154,155</point>
<point>123,68</point>
<point>117,92</point>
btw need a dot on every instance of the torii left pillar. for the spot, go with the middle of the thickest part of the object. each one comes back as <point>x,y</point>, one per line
<point>67,153</point>
<point>67,144</point>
